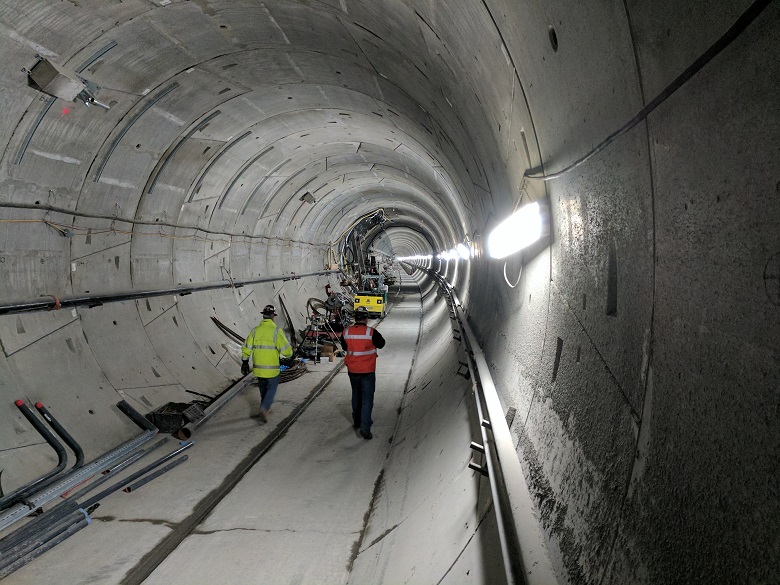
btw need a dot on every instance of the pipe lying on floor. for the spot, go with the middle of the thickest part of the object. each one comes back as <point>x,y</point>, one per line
<point>131,478</point>
<point>74,478</point>
<point>55,514</point>
<point>46,479</point>
<point>70,531</point>
<point>154,475</point>
<point>69,522</point>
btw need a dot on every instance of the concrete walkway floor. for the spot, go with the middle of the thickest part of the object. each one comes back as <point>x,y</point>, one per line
<point>296,516</point>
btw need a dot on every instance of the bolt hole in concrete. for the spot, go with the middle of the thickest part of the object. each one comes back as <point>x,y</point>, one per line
<point>553,39</point>
<point>558,352</point>
<point>612,282</point>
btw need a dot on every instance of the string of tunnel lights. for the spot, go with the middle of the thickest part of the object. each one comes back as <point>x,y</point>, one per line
<point>521,229</point>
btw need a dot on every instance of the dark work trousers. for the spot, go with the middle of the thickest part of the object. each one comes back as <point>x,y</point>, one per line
<point>363,386</point>
<point>268,388</point>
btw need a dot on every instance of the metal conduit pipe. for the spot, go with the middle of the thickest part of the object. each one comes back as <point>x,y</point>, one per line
<point>71,530</point>
<point>24,491</point>
<point>513,565</point>
<point>72,479</point>
<point>64,435</point>
<point>51,531</point>
<point>131,478</point>
<point>222,401</point>
<point>155,474</point>
<point>135,416</point>
<point>527,560</point>
<point>112,472</point>
<point>50,302</point>
<point>70,505</point>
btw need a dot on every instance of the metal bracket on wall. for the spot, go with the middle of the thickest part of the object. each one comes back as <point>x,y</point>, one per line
<point>478,468</point>
<point>477,447</point>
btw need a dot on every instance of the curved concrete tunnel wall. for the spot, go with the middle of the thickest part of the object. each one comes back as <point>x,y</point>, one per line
<point>639,347</point>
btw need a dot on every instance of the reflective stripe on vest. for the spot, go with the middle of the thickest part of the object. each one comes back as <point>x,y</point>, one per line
<point>265,357</point>
<point>368,335</point>
<point>361,353</point>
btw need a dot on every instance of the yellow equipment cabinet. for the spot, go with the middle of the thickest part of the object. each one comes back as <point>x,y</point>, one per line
<point>373,302</point>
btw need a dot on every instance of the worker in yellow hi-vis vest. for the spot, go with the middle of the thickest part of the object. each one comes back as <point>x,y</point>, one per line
<point>264,345</point>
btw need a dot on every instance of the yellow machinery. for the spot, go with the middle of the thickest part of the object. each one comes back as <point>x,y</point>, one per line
<point>373,302</point>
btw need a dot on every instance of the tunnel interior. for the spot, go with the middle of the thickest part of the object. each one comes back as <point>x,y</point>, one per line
<point>634,347</point>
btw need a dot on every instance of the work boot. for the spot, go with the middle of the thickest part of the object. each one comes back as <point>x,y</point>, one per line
<point>263,415</point>
<point>355,425</point>
<point>366,435</point>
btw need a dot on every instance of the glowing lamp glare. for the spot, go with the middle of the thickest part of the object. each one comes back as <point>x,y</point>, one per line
<point>519,230</point>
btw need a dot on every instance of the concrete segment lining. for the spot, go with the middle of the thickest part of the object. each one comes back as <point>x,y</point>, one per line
<point>639,347</point>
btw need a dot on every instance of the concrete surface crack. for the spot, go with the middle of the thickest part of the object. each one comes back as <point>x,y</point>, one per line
<point>151,560</point>
<point>206,532</point>
<point>473,534</point>
<point>381,536</point>
<point>156,521</point>
<point>268,531</point>
<point>356,545</point>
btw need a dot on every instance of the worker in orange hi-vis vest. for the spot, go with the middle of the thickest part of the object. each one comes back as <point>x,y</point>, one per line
<point>361,342</point>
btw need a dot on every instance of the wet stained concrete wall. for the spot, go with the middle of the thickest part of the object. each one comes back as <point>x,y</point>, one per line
<point>640,348</point>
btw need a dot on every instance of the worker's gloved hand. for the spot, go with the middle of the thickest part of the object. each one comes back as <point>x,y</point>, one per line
<point>245,367</point>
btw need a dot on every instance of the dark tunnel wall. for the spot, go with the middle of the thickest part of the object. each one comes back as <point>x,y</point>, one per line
<point>635,349</point>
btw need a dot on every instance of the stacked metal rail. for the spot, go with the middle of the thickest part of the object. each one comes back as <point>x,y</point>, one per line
<point>68,517</point>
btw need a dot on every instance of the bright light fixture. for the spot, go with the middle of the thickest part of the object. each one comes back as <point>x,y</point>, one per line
<point>463,251</point>
<point>414,258</point>
<point>519,230</point>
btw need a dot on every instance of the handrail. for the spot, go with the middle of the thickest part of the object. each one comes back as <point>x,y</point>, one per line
<point>524,553</point>
<point>50,302</point>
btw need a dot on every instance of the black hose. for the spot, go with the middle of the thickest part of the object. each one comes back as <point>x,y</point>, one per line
<point>227,330</point>
<point>724,41</point>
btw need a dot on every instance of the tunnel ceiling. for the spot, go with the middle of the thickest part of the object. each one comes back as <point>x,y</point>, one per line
<point>224,114</point>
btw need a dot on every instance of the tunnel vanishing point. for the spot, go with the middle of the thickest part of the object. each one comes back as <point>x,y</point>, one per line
<point>635,348</point>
